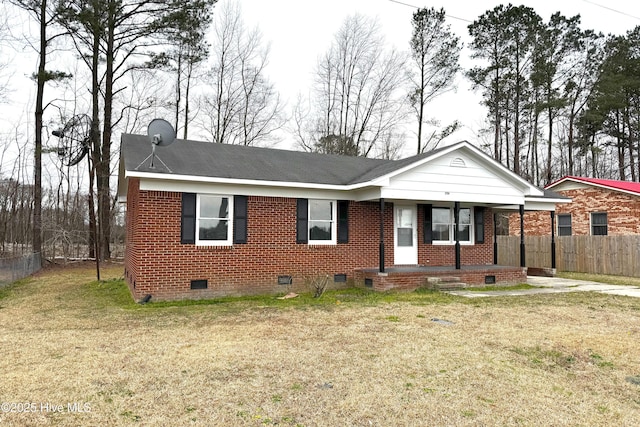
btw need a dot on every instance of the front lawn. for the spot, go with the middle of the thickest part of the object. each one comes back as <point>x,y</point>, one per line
<point>349,358</point>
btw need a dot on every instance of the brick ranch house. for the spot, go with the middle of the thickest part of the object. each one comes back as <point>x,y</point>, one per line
<point>598,207</point>
<point>212,219</point>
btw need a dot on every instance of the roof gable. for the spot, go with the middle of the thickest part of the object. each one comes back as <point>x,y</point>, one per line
<point>459,172</point>
<point>569,182</point>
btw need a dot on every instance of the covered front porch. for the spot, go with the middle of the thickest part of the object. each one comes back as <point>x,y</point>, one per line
<point>409,278</point>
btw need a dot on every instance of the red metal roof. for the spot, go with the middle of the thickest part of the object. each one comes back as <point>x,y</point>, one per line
<point>628,186</point>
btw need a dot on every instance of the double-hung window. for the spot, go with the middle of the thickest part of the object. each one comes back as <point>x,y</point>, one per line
<point>564,224</point>
<point>214,220</point>
<point>443,223</point>
<point>599,224</point>
<point>321,223</point>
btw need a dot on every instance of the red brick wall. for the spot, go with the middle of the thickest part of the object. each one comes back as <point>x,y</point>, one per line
<point>623,213</point>
<point>158,264</point>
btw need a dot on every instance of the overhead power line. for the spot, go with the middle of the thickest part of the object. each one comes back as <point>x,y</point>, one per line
<point>417,7</point>
<point>612,10</point>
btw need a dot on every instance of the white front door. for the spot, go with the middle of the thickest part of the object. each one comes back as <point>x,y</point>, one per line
<point>405,235</point>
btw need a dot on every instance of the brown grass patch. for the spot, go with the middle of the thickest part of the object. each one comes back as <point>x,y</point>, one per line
<point>549,359</point>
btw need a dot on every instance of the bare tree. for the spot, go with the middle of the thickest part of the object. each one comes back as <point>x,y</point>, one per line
<point>357,96</point>
<point>4,31</point>
<point>435,51</point>
<point>241,105</point>
<point>45,14</point>
<point>113,38</point>
<point>188,49</point>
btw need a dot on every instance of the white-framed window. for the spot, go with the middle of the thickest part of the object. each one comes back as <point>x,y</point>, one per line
<point>214,220</point>
<point>322,222</point>
<point>442,225</point>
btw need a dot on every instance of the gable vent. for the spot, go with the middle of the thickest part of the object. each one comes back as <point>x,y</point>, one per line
<point>458,163</point>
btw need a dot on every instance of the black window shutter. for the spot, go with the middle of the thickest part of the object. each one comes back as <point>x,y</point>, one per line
<point>188,219</point>
<point>343,221</point>
<point>302,223</point>
<point>478,219</point>
<point>240,219</point>
<point>427,226</point>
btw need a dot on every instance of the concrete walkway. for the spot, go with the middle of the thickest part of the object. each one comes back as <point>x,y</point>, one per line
<point>555,285</point>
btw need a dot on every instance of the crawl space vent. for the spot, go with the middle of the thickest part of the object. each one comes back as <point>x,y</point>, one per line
<point>339,278</point>
<point>199,284</point>
<point>284,280</point>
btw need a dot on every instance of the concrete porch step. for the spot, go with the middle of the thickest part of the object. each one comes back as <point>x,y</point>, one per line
<point>451,286</point>
<point>445,283</point>
<point>442,279</point>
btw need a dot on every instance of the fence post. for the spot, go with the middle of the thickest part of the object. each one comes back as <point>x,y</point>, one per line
<point>553,240</point>
<point>522,253</point>
<point>495,239</point>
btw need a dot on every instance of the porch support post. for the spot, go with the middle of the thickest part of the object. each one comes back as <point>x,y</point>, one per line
<point>522,253</point>
<point>456,234</point>
<point>495,238</point>
<point>553,239</point>
<point>381,251</point>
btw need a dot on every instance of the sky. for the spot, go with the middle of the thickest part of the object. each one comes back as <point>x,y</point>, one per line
<point>299,31</point>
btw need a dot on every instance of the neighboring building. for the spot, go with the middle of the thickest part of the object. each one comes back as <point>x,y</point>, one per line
<point>598,207</point>
<point>213,219</point>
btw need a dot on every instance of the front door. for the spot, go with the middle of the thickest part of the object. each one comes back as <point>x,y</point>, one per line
<point>405,235</point>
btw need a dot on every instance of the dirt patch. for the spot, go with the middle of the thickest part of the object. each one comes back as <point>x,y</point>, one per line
<point>553,360</point>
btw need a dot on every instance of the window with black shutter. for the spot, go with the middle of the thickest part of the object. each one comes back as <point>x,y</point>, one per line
<point>188,219</point>
<point>428,221</point>
<point>240,219</point>
<point>478,219</point>
<point>343,221</point>
<point>302,221</point>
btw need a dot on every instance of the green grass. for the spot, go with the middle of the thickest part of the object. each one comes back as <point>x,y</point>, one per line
<point>109,293</point>
<point>329,300</point>
<point>519,287</point>
<point>265,361</point>
<point>8,289</point>
<point>602,278</point>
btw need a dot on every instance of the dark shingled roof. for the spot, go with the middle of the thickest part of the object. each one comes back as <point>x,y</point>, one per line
<point>206,159</point>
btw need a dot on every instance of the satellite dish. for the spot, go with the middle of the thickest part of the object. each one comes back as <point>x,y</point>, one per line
<point>160,133</point>
<point>75,139</point>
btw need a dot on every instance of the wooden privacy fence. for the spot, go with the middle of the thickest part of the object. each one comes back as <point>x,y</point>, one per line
<point>617,255</point>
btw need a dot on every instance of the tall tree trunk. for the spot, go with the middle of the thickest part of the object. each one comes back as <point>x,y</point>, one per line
<point>516,120</point>
<point>497,149</point>
<point>627,125</point>
<point>37,161</point>
<point>104,166</point>
<point>570,141</point>
<point>95,139</point>
<point>421,106</point>
<point>178,90</point>
<point>549,147</point>
<point>187,89</point>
